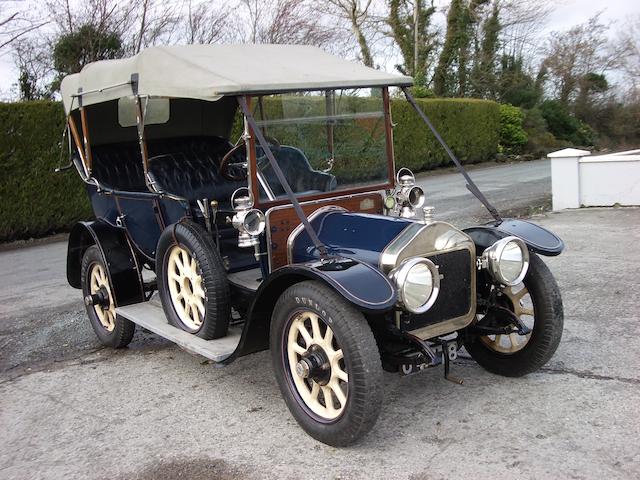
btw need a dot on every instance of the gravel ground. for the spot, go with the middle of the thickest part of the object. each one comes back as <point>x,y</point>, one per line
<point>71,409</point>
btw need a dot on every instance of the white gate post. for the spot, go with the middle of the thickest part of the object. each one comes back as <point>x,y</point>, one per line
<point>565,177</point>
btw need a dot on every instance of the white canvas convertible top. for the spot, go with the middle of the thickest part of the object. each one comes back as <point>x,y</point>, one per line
<point>208,72</point>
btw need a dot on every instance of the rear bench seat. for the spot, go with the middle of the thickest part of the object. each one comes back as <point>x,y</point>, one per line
<point>187,167</point>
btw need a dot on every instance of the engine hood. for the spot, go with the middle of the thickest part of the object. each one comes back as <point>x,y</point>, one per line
<point>380,241</point>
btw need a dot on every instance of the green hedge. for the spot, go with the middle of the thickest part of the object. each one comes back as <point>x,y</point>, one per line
<point>35,201</point>
<point>471,128</point>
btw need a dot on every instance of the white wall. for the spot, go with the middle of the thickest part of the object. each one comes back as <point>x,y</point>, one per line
<point>581,180</point>
<point>604,183</point>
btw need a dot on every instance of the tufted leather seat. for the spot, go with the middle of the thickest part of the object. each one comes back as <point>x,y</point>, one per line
<point>188,167</point>
<point>119,166</point>
<point>298,171</point>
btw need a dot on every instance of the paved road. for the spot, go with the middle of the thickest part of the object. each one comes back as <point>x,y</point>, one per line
<point>510,188</point>
<point>71,409</point>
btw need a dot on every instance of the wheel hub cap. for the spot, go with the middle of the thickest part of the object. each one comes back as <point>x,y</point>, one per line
<point>101,292</point>
<point>315,365</point>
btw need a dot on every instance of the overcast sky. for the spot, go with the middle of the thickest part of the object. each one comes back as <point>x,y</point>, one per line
<point>566,14</point>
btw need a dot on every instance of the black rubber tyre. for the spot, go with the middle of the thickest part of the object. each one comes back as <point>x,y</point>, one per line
<point>209,266</point>
<point>122,333</point>
<point>361,362</point>
<point>546,334</point>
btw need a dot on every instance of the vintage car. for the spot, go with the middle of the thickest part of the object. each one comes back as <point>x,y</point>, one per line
<point>254,188</point>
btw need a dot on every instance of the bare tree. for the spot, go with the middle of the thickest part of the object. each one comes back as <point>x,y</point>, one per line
<point>151,22</point>
<point>357,15</point>
<point>16,22</point>
<point>573,58</point>
<point>34,68</point>
<point>205,24</point>
<point>521,23</point>
<point>631,68</point>
<point>284,21</point>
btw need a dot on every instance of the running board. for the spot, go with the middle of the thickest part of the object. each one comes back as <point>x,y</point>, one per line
<point>150,315</point>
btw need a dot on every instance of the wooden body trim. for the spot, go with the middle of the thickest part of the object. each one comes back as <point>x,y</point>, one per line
<point>76,140</point>
<point>87,140</point>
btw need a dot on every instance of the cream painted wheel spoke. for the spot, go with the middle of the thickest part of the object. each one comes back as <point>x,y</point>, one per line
<point>95,283</point>
<point>315,391</point>
<point>197,287</point>
<point>177,261</point>
<point>300,350</point>
<point>305,335</point>
<point>327,393</point>
<point>98,280</point>
<point>513,338</point>
<point>520,309</point>
<point>519,294</point>
<point>329,378</point>
<point>328,338</point>
<point>200,306</point>
<point>184,257</point>
<point>185,288</point>
<point>194,315</point>
<point>337,391</point>
<point>315,326</point>
<point>341,374</point>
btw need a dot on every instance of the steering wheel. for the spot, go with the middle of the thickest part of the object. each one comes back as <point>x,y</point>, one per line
<point>234,172</point>
<point>238,171</point>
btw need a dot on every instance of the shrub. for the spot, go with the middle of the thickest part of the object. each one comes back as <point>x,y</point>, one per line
<point>35,201</point>
<point>540,141</point>
<point>564,126</point>
<point>512,134</point>
<point>469,126</point>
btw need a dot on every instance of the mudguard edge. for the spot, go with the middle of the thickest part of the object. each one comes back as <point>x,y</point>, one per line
<point>122,265</point>
<point>538,239</point>
<point>347,277</point>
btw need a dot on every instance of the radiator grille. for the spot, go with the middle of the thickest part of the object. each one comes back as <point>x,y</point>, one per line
<point>455,295</point>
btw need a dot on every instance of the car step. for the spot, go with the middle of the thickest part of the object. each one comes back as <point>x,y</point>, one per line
<point>150,315</point>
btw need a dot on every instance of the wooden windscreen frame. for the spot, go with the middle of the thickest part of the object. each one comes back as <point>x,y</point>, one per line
<point>254,183</point>
<point>388,130</point>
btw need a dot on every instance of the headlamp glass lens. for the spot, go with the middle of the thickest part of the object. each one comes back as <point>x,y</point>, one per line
<point>418,286</point>
<point>511,262</point>
<point>254,222</point>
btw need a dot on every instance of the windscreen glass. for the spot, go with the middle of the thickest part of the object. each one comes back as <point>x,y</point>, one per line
<point>323,141</point>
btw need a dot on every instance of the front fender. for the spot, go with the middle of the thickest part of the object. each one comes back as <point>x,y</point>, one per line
<point>537,238</point>
<point>122,265</point>
<point>364,286</point>
<point>360,284</point>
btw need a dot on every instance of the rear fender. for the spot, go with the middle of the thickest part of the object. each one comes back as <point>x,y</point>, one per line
<point>122,265</point>
<point>365,287</point>
<point>538,239</point>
